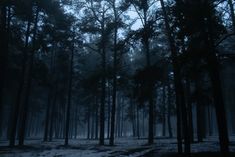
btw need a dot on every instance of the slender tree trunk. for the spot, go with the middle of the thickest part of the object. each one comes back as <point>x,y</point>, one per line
<point>191,128</point>
<point>97,118</point>
<point>102,106</point>
<point>76,122</point>
<point>88,123</point>
<point>29,77</point>
<point>169,106</point>
<point>69,99</point>
<point>103,86</point>
<point>109,111</point>
<point>46,127</point>
<point>164,112</point>
<point>133,117</point>
<point>137,122</point>
<point>150,99</point>
<point>92,124</point>
<point>56,125</point>
<point>219,106</point>
<point>209,121</point>
<point>187,142</point>
<point>50,97</point>
<point>118,118</point>
<point>189,108</point>
<point>52,114</point>
<point>180,104</point>
<point>199,125</point>
<point>4,39</point>
<point>199,110</point>
<point>217,89</point>
<point>146,37</point>
<point>143,124</point>
<point>151,121</point>
<point>30,129</point>
<point>122,115</point>
<point>111,142</point>
<point>20,89</point>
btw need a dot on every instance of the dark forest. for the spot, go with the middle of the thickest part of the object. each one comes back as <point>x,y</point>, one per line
<point>110,78</point>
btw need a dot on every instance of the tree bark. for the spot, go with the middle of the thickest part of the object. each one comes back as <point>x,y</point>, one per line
<point>29,77</point>
<point>88,123</point>
<point>217,88</point>
<point>103,84</point>
<point>69,99</point>
<point>189,108</point>
<point>111,142</point>
<point>50,96</point>
<point>4,39</point>
<point>52,114</point>
<point>169,106</point>
<point>200,110</point>
<point>133,117</point>
<point>180,101</point>
<point>20,89</point>
<point>97,118</point>
<point>46,127</point>
<point>137,122</point>
<point>164,112</point>
<point>109,111</point>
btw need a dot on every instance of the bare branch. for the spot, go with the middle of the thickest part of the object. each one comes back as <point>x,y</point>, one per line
<point>224,38</point>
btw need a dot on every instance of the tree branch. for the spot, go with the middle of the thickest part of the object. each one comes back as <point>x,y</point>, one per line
<point>224,38</point>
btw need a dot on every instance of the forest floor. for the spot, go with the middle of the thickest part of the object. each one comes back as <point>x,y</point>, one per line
<point>130,147</point>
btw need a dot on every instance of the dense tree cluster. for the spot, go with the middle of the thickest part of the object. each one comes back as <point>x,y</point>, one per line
<point>111,68</point>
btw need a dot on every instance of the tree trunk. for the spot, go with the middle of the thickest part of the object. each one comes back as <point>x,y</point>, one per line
<point>93,124</point>
<point>118,118</point>
<point>199,125</point>
<point>189,108</point>
<point>76,122</point>
<point>137,122</point>
<point>151,121</point>
<point>200,110</point>
<point>164,112</point>
<point>69,98</point>
<point>97,118</point>
<point>180,100</point>
<point>122,115</point>
<point>217,89</point>
<point>88,123</point>
<point>52,114</point>
<point>133,117</point>
<point>177,82</point>
<point>150,99</point>
<point>210,128</point>
<point>109,111</point>
<point>103,86</point>
<point>29,77</point>
<point>45,138</point>
<point>4,39</point>
<point>191,128</point>
<point>169,106</point>
<point>219,106</point>
<point>20,89</point>
<point>50,96</point>
<point>143,123</point>
<point>111,142</point>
